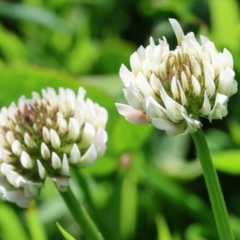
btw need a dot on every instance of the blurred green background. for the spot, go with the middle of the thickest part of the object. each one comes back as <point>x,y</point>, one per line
<point>147,185</point>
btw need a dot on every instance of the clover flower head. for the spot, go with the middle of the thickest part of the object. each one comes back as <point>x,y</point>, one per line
<point>42,137</point>
<point>172,89</point>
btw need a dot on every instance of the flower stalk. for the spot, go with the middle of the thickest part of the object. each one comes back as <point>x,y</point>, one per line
<point>81,216</point>
<point>213,186</point>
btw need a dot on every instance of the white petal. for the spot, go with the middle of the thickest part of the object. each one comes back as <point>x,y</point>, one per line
<point>193,124</point>
<point>16,148</point>
<point>46,135</point>
<point>26,160</point>
<point>55,140</point>
<point>65,166</point>
<point>168,126</point>
<point>6,156</point>
<point>29,142</point>
<point>88,135</point>
<point>45,151</point>
<point>226,79</point>
<point>174,88</point>
<point>177,30</point>
<point>10,137</point>
<point>73,129</point>
<point>196,86</point>
<point>101,118</point>
<point>206,107</point>
<point>56,161</point>
<point>219,109</point>
<point>41,170</point>
<point>89,157</point>
<point>132,115</point>
<point>135,63</point>
<point>74,155</point>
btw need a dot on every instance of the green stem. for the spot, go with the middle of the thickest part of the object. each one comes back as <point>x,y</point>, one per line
<point>213,186</point>
<point>81,216</point>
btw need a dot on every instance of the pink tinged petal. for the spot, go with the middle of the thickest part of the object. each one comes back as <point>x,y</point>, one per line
<point>89,157</point>
<point>226,79</point>
<point>196,87</point>
<point>177,30</point>
<point>26,160</point>
<point>74,155</point>
<point>174,88</point>
<point>132,115</point>
<point>64,170</point>
<point>55,161</point>
<point>101,118</point>
<point>61,182</point>
<point>183,97</point>
<point>219,109</point>
<point>10,137</point>
<point>16,148</point>
<point>193,124</point>
<point>88,135</point>
<point>73,129</point>
<point>184,81</point>
<point>6,156</point>
<point>206,107</point>
<point>29,142</point>
<point>46,135</point>
<point>45,151</point>
<point>54,139</point>
<point>41,170</point>
<point>135,63</point>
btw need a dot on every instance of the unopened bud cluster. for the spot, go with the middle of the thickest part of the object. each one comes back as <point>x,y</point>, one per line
<point>42,137</point>
<point>173,88</point>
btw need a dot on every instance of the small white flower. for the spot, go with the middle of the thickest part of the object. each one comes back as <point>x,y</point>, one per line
<point>42,137</point>
<point>172,89</point>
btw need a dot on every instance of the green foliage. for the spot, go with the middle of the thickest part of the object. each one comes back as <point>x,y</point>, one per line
<point>147,185</point>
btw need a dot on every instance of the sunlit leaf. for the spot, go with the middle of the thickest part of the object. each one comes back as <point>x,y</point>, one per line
<point>163,229</point>
<point>10,224</point>
<point>227,161</point>
<point>66,235</point>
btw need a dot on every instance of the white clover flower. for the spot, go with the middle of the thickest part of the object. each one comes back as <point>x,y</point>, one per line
<point>173,88</point>
<point>42,137</point>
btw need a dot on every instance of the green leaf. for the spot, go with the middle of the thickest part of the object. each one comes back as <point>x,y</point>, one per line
<point>66,235</point>
<point>35,227</point>
<point>10,224</point>
<point>127,136</point>
<point>33,14</point>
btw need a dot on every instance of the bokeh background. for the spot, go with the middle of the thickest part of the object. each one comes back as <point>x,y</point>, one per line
<point>147,185</point>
